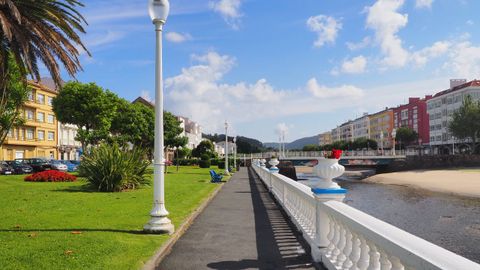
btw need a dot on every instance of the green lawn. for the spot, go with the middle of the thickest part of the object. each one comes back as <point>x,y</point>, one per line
<point>37,221</point>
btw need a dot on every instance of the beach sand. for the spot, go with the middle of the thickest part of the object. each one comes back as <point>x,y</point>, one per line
<point>464,182</point>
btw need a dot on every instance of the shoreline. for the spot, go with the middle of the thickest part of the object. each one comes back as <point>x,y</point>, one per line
<point>461,182</point>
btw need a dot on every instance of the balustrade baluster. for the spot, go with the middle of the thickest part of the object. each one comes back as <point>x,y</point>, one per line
<point>330,237</point>
<point>385,263</point>
<point>336,241</point>
<point>341,246</point>
<point>396,263</point>
<point>374,262</point>
<point>348,249</point>
<point>363,262</point>
<point>355,254</point>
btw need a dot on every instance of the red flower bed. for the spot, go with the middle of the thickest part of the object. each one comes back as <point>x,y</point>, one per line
<point>51,176</point>
<point>336,154</point>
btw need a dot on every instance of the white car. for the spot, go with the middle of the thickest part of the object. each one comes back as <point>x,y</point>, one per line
<point>58,166</point>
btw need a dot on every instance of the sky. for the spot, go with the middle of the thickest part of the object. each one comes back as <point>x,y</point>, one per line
<point>266,66</point>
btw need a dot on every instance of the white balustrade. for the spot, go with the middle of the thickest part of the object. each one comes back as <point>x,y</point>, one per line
<point>350,239</point>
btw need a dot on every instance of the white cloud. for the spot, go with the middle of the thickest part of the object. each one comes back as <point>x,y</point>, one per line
<point>470,22</point>
<point>326,28</point>
<point>386,21</point>
<point>360,45</point>
<point>423,3</point>
<point>178,37</point>
<point>199,93</point>
<point>464,60</point>
<point>439,48</point>
<point>344,91</point>
<point>281,128</point>
<point>230,11</point>
<point>355,66</point>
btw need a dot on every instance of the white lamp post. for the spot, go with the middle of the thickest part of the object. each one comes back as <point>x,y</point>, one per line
<point>394,135</point>
<point>226,148</point>
<point>235,153</point>
<point>159,222</point>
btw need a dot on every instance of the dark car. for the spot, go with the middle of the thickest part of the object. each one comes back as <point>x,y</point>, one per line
<point>20,168</point>
<point>37,164</point>
<point>5,168</point>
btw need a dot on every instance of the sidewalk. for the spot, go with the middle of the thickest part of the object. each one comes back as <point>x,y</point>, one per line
<point>242,228</point>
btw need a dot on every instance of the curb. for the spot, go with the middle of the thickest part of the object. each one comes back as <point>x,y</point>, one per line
<point>166,248</point>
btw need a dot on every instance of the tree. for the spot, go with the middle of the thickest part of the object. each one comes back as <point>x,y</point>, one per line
<point>88,107</point>
<point>465,122</point>
<point>311,147</point>
<point>406,136</point>
<point>204,147</point>
<point>12,97</point>
<point>172,131</point>
<point>40,30</point>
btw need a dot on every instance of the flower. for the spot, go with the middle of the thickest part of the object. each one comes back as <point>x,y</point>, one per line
<point>334,154</point>
<point>50,176</point>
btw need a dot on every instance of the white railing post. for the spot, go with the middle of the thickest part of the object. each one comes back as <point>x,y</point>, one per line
<point>322,220</point>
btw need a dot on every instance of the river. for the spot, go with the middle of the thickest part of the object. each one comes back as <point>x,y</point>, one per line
<point>452,222</point>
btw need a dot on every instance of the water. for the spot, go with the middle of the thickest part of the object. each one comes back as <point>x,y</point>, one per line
<point>452,222</point>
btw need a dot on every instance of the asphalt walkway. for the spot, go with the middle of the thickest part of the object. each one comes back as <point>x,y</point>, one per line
<point>242,228</point>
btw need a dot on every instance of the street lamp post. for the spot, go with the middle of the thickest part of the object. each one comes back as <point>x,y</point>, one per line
<point>381,140</point>
<point>394,135</point>
<point>226,148</point>
<point>159,222</point>
<point>235,153</point>
<point>453,145</point>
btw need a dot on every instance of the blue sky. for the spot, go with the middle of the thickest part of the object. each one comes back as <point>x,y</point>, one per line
<point>266,65</point>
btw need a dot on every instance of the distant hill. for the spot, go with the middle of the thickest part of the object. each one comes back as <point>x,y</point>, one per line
<point>297,144</point>
<point>244,145</point>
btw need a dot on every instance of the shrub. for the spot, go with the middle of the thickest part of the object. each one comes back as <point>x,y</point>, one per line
<point>51,176</point>
<point>214,161</point>
<point>188,162</point>
<point>221,164</point>
<point>109,168</point>
<point>205,157</point>
<point>204,163</point>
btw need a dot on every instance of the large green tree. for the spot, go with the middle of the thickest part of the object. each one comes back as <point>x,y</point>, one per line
<point>40,31</point>
<point>12,98</point>
<point>204,148</point>
<point>465,123</point>
<point>406,136</point>
<point>89,107</point>
<point>172,131</point>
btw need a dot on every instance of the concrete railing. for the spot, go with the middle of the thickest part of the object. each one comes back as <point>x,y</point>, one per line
<point>342,237</point>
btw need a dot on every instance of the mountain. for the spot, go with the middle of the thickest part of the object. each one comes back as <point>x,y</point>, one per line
<point>297,144</point>
<point>244,145</point>
<point>300,143</point>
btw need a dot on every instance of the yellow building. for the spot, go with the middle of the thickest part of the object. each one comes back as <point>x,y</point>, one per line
<point>325,138</point>
<point>382,123</point>
<point>38,137</point>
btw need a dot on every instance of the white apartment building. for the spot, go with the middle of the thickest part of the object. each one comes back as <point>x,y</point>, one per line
<point>361,127</point>
<point>336,134</point>
<point>440,110</point>
<point>346,132</point>
<point>68,147</point>
<point>220,148</point>
<point>191,130</point>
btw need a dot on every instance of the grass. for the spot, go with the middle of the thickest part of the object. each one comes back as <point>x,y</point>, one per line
<point>64,226</point>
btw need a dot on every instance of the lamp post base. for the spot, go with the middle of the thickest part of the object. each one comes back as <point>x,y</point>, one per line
<point>159,225</point>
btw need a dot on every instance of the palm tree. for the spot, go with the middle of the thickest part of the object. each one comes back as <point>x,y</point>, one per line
<point>46,31</point>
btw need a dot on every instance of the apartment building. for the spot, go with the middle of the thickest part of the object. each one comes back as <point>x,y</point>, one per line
<point>325,138</point>
<point>440,109</point>
<point>414,115</point>
<point>68,147</point>
<point>336,134</point>
<point>38,137</point>
<point>346,132</point>
<point>361,127</point>
<point>381,127</point>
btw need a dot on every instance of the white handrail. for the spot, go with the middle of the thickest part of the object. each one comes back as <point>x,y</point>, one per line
<point>352,239</point>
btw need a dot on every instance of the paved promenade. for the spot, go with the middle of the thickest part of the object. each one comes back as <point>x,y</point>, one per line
<point>242,228</point>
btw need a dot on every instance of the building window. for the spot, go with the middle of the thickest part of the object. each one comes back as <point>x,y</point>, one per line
<point>29,115</point>
<point>41,135</point>
<point>40,98</point>
<point>49,101</point>
<point>51,135</point>
<point>29,134</point>
<point>41,117</point>
<point>30,95</point>
<point>10,133</point>
<point>51,118</point>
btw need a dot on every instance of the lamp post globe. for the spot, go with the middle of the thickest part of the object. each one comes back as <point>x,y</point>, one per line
<point>158,10</point>
<point>159,221</point>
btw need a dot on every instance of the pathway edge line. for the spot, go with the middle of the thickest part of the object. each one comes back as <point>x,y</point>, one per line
<point>166,248</point>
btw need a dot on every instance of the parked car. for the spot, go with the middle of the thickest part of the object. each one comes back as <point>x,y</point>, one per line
<point>37,164</point>
<point>5,168</point>
<point>19,167</point>
<point>71,166</point>
<point>58,165</point>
